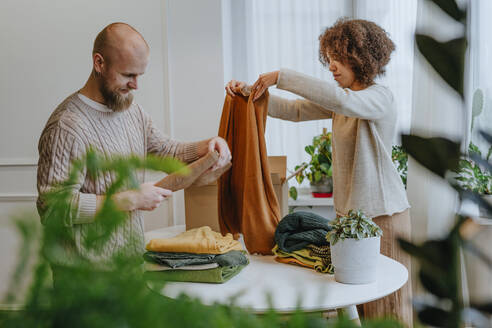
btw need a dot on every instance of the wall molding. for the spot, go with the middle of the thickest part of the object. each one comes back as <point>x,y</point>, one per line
<point>25,197</point>
<point>13,162</point>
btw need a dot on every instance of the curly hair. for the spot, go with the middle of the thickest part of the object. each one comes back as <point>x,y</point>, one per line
<point>361,44</point>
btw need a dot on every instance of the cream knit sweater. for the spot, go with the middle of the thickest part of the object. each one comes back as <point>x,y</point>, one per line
<point>74,127</point>
<point>364,128</point>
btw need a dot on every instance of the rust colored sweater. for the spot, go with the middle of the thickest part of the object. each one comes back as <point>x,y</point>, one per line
<point>246,199</point>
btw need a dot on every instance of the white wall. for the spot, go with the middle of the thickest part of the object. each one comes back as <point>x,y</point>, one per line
<point>196,73</point>
<point>45,56</point>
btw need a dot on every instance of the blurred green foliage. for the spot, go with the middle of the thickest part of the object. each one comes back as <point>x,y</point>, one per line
<point>85,295</point>
<point>439,259</point>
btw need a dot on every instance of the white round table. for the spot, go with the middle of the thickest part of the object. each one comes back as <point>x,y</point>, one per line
<point>265,283</point>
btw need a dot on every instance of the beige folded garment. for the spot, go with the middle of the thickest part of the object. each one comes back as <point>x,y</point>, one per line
<point>199,241</point>
<point>210,176</point>
<point>159,267</point>
<point>178,181</point>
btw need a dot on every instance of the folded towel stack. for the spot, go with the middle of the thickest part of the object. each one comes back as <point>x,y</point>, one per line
<point>197,255</point>
<point>300,239</point>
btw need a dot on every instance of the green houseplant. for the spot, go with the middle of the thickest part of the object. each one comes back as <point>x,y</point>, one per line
<point>475,177</point>
<point>400,159</point>
<point>472,176</point>
<point>319,169</point>
<point>355,245</point>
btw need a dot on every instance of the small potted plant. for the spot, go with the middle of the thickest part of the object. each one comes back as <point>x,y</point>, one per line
<point>319,169</point>
<point>355,245</point>
<point>474,178</point>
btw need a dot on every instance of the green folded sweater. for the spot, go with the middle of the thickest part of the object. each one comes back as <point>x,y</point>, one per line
<point>217,275</point>
<point>299,229</point>
<point>176,260</point>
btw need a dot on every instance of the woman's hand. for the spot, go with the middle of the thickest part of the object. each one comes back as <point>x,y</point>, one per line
<point>264,82</point>
<point>234,87</point>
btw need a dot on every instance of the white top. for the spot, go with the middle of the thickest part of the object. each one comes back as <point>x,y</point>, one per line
<point>94,104</point>
<point>289,286</point>
<point>364,129</point>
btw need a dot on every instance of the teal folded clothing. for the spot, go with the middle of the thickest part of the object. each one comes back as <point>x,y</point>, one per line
<point>176,260</point>
<point>151,266</point>
<point>217,275</point>
<point>232,258</point>
<point>299,229</point>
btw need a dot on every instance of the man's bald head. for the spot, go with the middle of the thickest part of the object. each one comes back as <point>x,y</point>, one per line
<point>120,56</point>
<point>119,39</point>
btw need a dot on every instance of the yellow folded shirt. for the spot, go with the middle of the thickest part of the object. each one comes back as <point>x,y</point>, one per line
<point>199,241</point>
<point>304,256</point>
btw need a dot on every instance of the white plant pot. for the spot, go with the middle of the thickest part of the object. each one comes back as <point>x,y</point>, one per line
<point>356,261</point>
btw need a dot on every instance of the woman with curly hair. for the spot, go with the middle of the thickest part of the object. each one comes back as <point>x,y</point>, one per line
<point>364,123</point>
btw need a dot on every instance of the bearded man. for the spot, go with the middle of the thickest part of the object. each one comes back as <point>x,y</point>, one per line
<point>103,116</point>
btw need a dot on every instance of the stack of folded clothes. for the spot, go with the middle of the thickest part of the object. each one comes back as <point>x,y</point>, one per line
<point>300,239</point>
<point>197,255</point>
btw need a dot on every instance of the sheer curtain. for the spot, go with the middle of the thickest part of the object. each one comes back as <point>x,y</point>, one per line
<point>480,69</point>
<point>262,36</point>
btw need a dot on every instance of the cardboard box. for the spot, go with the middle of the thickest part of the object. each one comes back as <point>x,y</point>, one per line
<point>201,202</point>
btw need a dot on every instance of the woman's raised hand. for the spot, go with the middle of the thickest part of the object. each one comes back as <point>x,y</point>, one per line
<point>234,87</point>
<point>265,81</point>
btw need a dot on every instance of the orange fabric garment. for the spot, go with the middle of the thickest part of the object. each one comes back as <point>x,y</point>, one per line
<point>246,199</point>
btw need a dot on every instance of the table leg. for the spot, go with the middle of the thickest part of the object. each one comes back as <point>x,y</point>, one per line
<point>351,313</point>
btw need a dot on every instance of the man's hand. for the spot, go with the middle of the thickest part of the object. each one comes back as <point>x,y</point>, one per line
<point>264,82</point>
<point>147,198</point>
<point>220,145</point>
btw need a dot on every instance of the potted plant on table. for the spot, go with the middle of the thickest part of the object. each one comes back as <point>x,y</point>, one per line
<point>355,244</point>
<point>319,169</point>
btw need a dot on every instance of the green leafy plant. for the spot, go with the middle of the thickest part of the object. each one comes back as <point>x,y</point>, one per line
<point>354,225</point>
<point>473,177</point>
<point>400,159</point>
<point>319,167</point>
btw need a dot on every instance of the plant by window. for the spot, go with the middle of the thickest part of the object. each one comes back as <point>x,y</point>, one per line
<point>354,225</point>
<point>400,159</point>
<point>472,176</point>
<point>320,165</point>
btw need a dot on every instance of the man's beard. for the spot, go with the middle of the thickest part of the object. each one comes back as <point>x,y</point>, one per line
<point>114,100</point>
